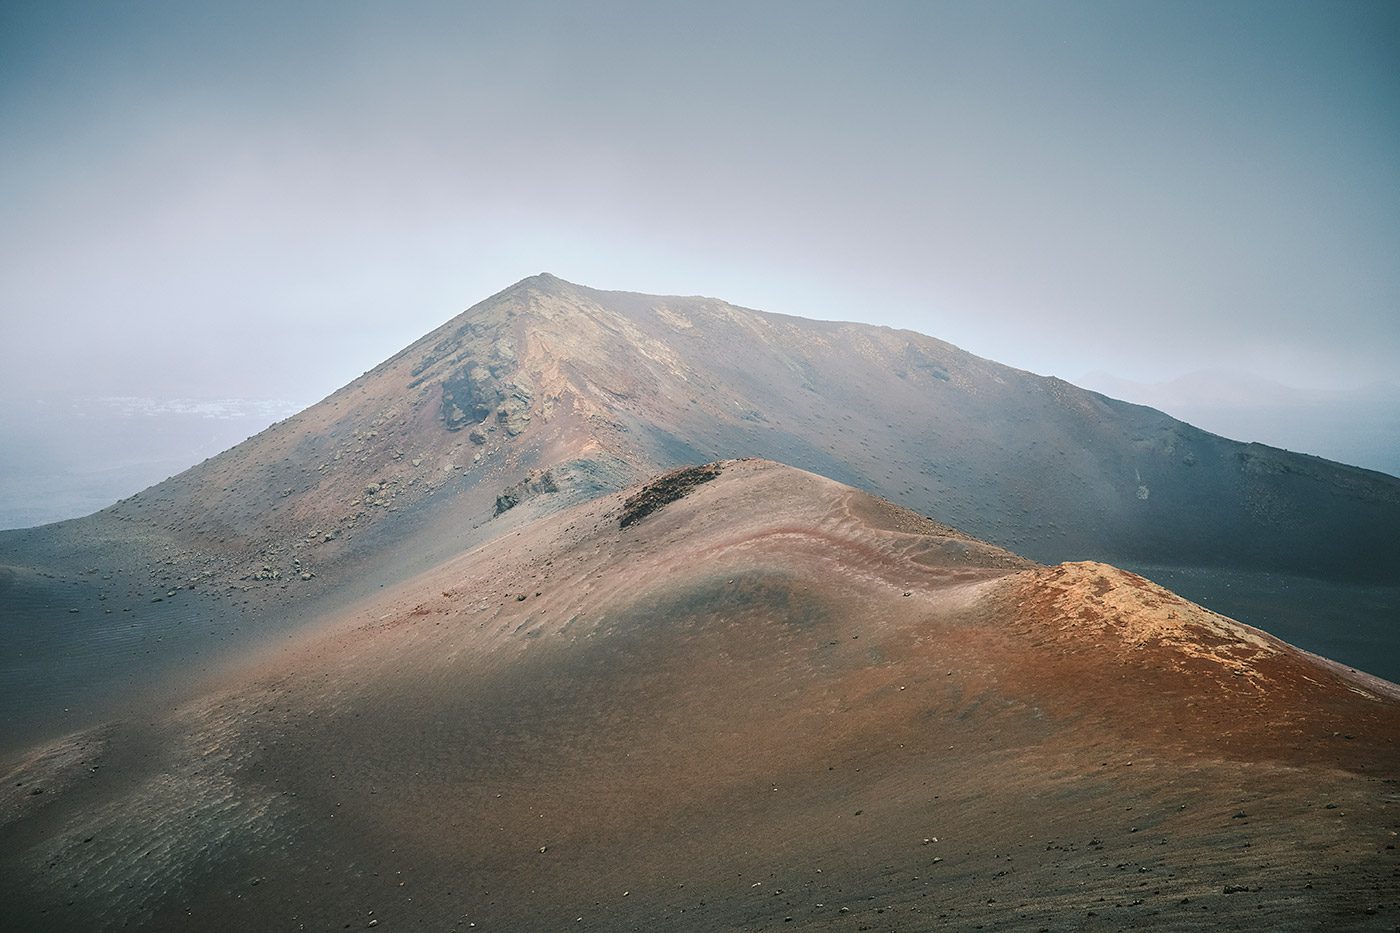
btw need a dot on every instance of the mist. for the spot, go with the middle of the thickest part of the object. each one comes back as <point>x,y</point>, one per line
<point>261,203</point>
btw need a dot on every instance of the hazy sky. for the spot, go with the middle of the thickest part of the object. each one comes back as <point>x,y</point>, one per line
<point>267,199</point>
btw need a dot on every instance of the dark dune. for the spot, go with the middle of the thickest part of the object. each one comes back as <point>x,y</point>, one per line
<point>773,702</point>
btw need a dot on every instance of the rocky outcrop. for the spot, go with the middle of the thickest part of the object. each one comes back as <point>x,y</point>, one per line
<point>513,412</point>
<point>468,396</point>
<point>474,394</point>
<point>534,484</point>
<point>664,490</point>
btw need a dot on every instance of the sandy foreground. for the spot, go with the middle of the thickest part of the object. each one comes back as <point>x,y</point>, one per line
<point>772,703</point>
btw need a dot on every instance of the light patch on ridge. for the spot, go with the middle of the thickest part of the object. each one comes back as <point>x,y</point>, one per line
<point>1139,614</point>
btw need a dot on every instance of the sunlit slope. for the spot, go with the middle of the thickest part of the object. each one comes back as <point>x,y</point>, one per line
<point>765,696</point>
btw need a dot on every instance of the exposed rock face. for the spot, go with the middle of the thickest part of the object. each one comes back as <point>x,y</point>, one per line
<point>535,484</point>
<point>513,414</point>
<point>481,379</point>
<point>469,396</point>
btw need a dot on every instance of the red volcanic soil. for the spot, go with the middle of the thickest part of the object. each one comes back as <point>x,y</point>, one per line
<point>773,702</point>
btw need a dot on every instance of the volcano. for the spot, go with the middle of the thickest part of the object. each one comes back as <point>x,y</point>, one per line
<point>550,393</point>
<point>611,611</point>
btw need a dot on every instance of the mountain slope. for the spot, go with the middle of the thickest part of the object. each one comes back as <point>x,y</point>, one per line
<point>555,375</point>
<point>550,393</point>
<point>549,373</point>
<point>773,701</point>
<point>1359,426</point>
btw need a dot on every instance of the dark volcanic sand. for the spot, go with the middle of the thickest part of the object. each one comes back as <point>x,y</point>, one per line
<point>772,704</point>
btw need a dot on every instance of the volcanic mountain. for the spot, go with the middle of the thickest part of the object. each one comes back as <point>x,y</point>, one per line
<point>550,394</point>
<point>740,696</point>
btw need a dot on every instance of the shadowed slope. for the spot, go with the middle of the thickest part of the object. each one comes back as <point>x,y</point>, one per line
<point>773,697</point>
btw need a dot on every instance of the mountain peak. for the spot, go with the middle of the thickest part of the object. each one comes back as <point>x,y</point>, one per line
<point>544,282</point>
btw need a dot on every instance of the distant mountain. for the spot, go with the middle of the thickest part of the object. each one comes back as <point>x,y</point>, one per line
<point>605,387</point>
<point>549,393</point>
<point>739,697</point>
<point>1360,426</point>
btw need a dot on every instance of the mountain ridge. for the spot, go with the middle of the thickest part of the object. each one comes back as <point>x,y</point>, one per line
<point>773,700</point>
<point>549,393</point>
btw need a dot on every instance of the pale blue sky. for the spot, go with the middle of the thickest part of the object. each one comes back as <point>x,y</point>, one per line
<point>267,199</point>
